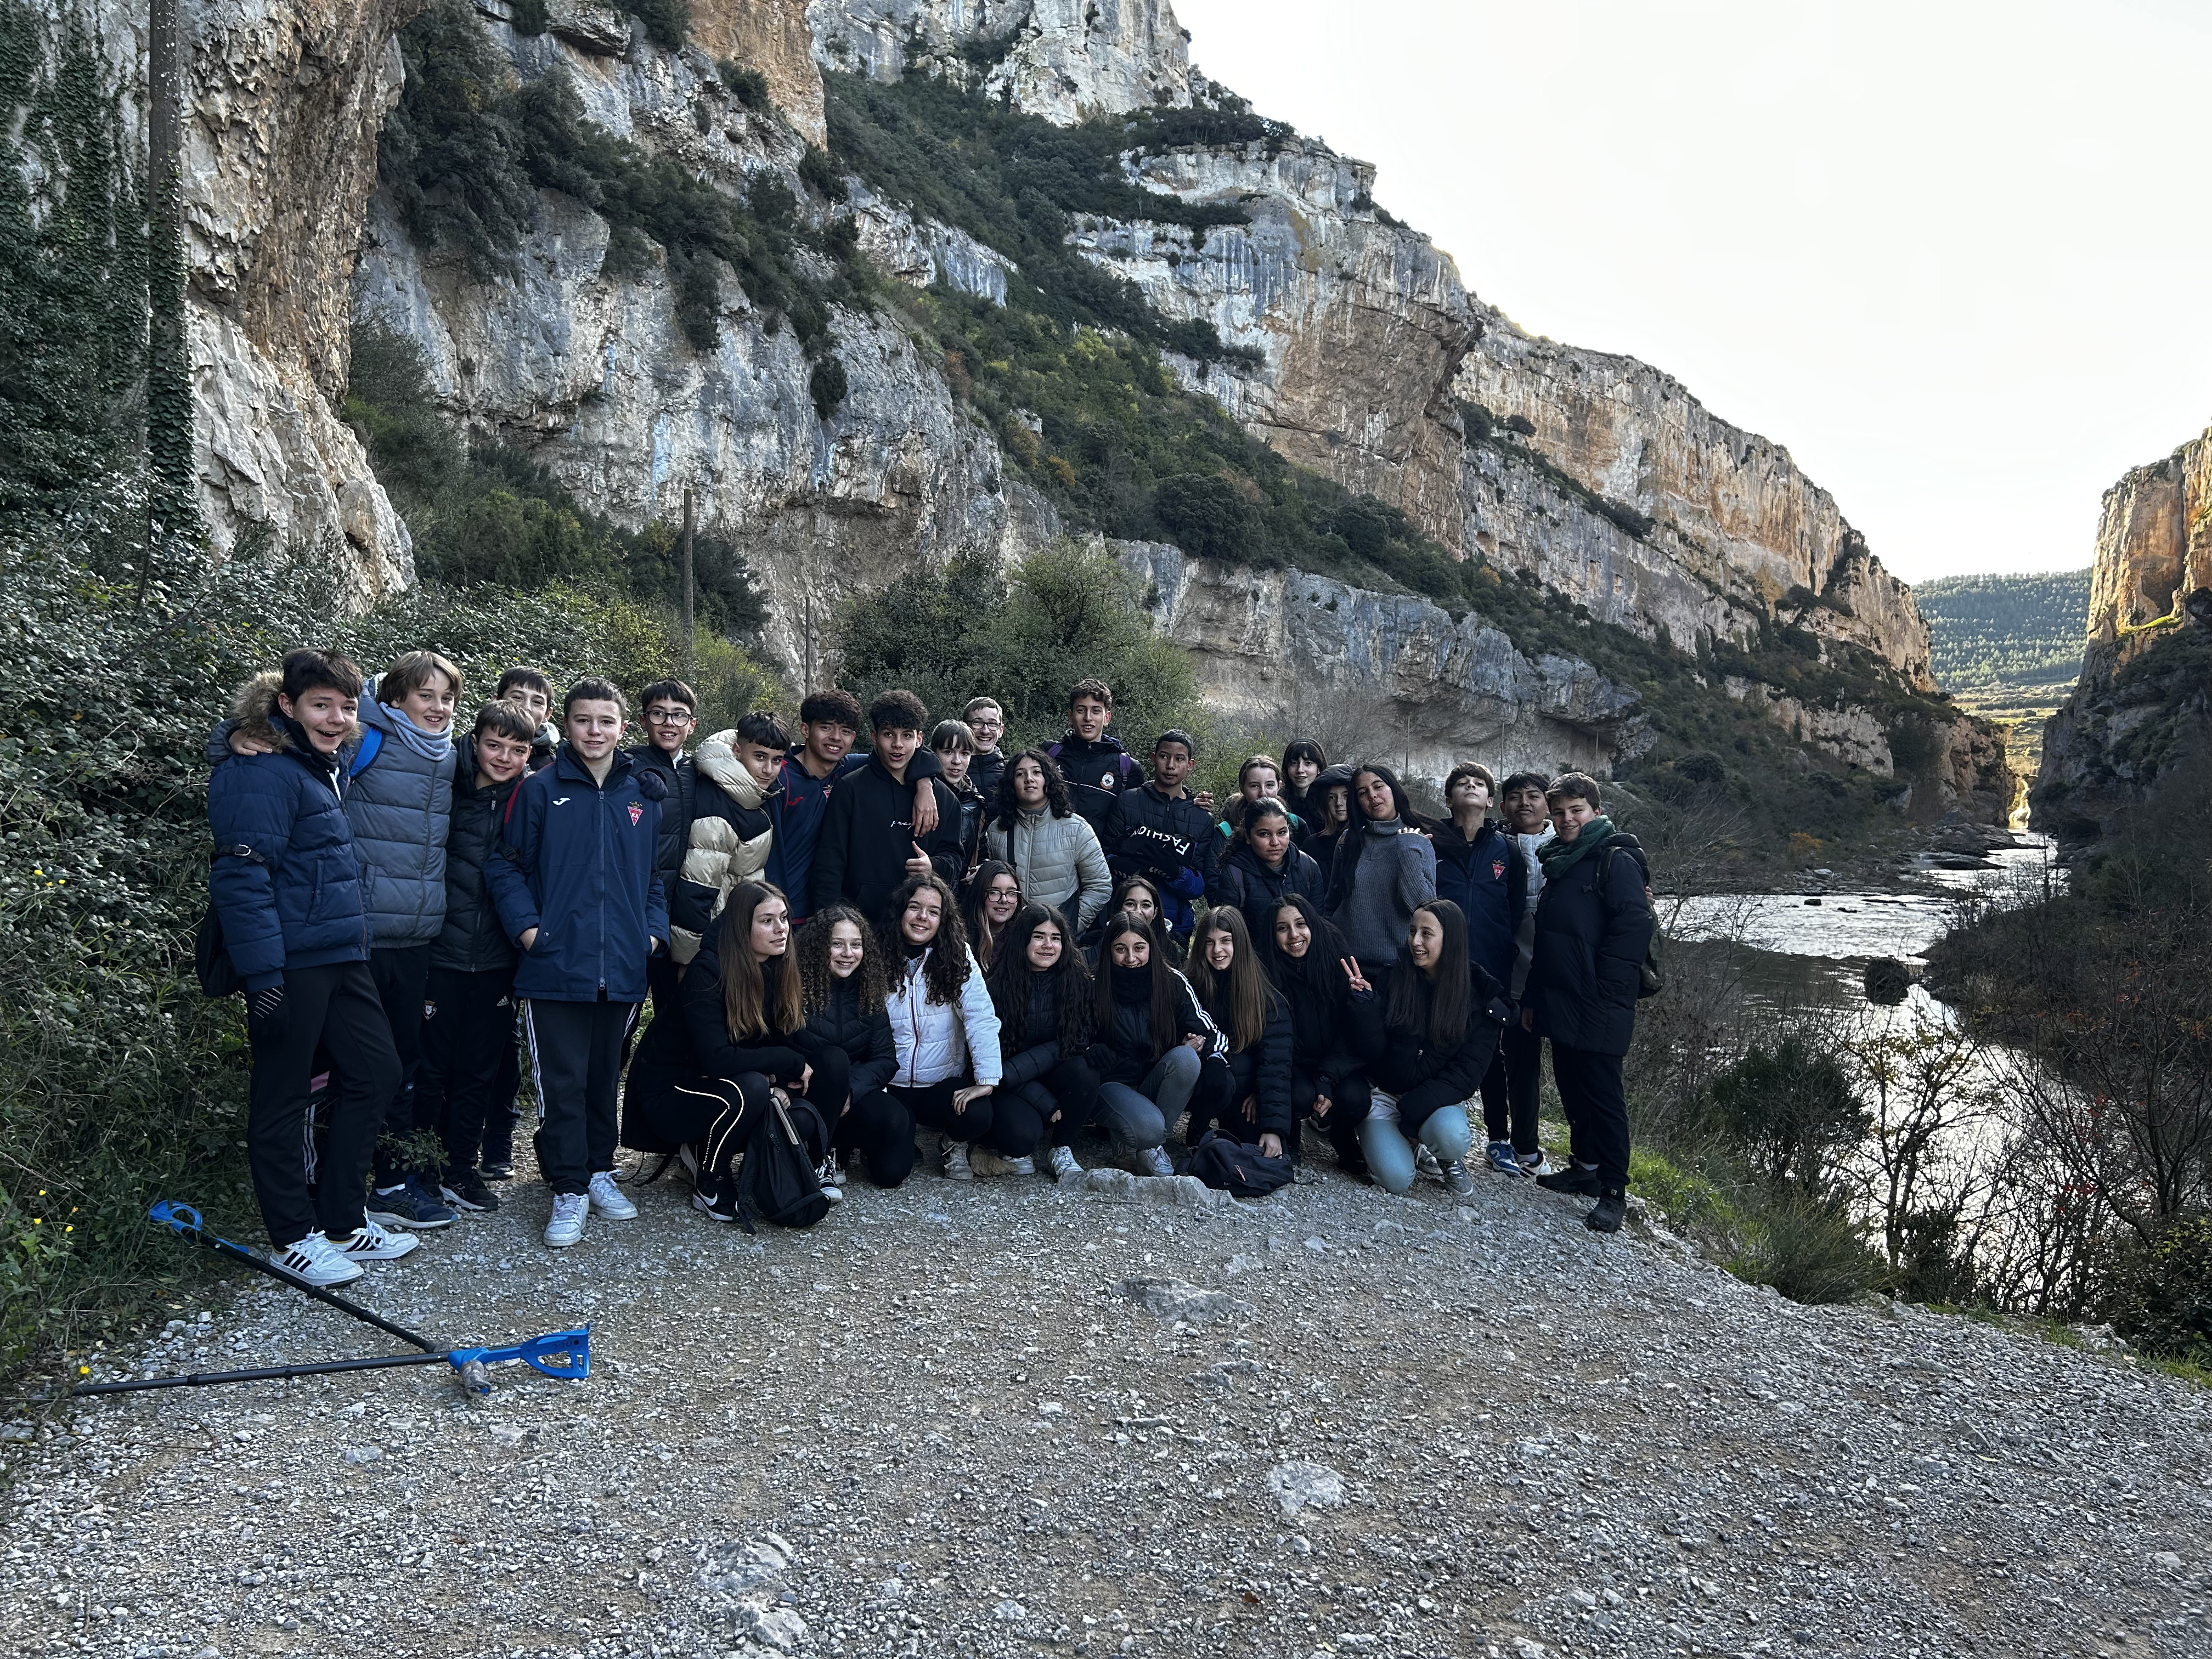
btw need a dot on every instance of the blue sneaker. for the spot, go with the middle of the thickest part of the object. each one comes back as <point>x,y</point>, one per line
<point>412,1205</point>
<point>1500,1156</point>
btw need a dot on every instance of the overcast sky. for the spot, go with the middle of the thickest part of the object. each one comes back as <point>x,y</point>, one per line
<point>1954,256</point>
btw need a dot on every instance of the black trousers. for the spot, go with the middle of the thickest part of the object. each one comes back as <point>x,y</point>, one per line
<point>335,1009</point>
<point>499,1113</point>
<point>1023,1113</point>
<point>1348,1108</point>
<point>468,1032</point>
<point>402,973</point>
<point>1597,1109</point>
<point>884,1123</point>
<point>575,1055</point>
<point>1512,1089</point>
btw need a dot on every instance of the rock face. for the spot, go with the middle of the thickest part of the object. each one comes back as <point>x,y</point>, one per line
<point>1284,649</point>
<point>284,101</point>
<point>1374,352</point>
<point>773,36</point>
<point>2143,705</point>
<point>1062,59</point>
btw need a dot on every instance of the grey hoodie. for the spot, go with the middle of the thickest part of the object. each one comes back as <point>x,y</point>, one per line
<point>1525,939</point>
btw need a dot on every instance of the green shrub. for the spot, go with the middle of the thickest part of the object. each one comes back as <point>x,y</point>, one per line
<point>2164,1301</point>
<point>1808,1248</point>
<point>748,86</point>
<point>1205,515</point>
<point>668,22</point>
<point>826,386</point>
<point>1790,1110</point>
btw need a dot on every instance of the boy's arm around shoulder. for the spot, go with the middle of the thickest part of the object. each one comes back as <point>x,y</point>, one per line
<point>512,864</point>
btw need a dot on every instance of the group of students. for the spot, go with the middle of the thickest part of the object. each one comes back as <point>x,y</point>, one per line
<point>1009,951</point>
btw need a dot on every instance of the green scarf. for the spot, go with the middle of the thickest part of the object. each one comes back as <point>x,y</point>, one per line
<point>1558,857</point>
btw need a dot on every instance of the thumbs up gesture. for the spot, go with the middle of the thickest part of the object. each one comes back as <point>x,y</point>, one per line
<point>919,865</point>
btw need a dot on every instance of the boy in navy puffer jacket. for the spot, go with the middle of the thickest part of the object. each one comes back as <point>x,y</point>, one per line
<point>578,887</point>
<point>287,891</point>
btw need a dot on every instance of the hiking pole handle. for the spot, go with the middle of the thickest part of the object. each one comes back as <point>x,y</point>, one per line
<point>184,1221</point>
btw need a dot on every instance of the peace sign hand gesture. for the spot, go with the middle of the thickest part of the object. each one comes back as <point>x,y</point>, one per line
<point>1351,974</point>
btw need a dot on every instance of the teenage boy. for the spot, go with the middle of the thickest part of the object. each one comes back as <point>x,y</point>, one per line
<point>1479,870</point>
<point>1158,832</point>
<point>578,889</point>
<point>987,721</point>
<point>671,713</point>
<point>828,722</point>
<point>1098,770</point>
<point>398,802</point>
<point>287,888</point>
<point>730,836</point>
<point>532,693</point>
<point>1529,828</point>
<point>468,1006</point>
<point>1593,926</point>
<point>870,841</point>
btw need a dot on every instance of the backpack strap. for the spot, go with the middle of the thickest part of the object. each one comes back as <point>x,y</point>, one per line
<point>372,741</point>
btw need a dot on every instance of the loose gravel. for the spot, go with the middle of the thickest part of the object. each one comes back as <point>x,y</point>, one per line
<point>1005,1417</point>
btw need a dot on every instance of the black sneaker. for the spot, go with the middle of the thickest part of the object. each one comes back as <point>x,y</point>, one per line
<point>497,1172</point>
<point>465,1189</point>
<point>1573,1179</point>
<point>1611,1209</point>
<point>409,1205</point>
<point>715,1197</point>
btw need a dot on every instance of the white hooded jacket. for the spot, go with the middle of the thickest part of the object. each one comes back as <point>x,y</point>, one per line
<point>935,1040</point>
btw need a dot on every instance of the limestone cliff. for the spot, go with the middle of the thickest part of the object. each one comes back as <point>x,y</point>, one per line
<point>284,102</point>
<point>2143,705</point>
<point>1063,59</point>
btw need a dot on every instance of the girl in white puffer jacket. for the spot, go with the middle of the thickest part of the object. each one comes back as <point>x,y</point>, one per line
<point>946,1029</point>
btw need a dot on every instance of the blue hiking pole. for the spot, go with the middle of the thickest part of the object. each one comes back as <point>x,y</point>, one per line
<point>564,1354</point>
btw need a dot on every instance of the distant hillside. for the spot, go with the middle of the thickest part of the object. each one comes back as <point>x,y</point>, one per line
<point>2005,630</point>
<point>2008,649</point>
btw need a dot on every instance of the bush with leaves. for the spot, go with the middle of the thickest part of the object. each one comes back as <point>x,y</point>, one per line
<point>2164,1301</point>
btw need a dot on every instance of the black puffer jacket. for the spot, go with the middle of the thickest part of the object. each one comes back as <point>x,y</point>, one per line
<point>1333,1032</point>
<point>867,1039</point>
<point>1262,1071</point>
<point>683,781</point>
<point>1256,889</point>
<point>472,940</point>
<point>1425,1075</point>
<point>1592,927</point>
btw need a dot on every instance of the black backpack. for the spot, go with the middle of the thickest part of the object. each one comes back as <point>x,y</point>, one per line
<point>1233,1168</point>
<point>1650,980</point>
<point>778,1180</point>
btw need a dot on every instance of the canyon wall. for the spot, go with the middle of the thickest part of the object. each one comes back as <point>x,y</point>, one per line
<point>2143,705</point>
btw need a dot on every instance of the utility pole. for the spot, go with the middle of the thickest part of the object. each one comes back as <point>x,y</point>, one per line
<point>689,651</point>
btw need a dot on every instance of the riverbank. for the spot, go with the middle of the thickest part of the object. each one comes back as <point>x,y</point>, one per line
<point>941,1424</point>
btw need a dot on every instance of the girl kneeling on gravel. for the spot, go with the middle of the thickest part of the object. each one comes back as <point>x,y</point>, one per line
<point>1154,1038</point>
<point>1335,1022</point>
<point>1045,999</point>
<point>1246,1094</point>
<point>1439,1035</point>
<point>749,1033</point>
<point>842,987</point>
<point>942,1020</point>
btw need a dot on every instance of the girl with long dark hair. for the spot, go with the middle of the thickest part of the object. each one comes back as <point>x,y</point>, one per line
<point>1246,1093</point>
<point>1262,865</point>
<point>1438,1037</point>
<point>1383,870</point>
<point>1140,895</point>
<point>995,893</point>
<point>1328,814</point>
<point>1335,1023</point>
<point>843,992</point>
<point>1303,765</point>
<point>748,1030</point>
<point>1047,1006</point>
<point>1153,1040</point>
<point>946,1030</point>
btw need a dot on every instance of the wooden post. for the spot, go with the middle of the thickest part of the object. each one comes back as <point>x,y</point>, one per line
<point>689,654</point>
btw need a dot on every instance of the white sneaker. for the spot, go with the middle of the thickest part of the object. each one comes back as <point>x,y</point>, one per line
<point>373,1243</point>
<point>567,1226</point>
<point>1061,1162</point>
<point>316,1261</point>
<point>1023,1165</point>
<point>607,1197</point>
<point>956,1166</point>
<point>1156,1161</point>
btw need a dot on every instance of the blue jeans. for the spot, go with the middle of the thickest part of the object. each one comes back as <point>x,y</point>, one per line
<point>1135,1119</point>
<point>1391,1155</point>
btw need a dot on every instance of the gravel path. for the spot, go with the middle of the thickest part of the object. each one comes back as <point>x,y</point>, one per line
<point>1010,1419</point>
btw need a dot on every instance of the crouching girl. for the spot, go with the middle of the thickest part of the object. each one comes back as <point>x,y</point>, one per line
<point>1045,1000</point>
<point>1437,1041</point>
<point>1154,1038</point>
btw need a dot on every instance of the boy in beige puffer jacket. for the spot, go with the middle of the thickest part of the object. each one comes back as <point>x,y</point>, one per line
<point>730,832</point>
